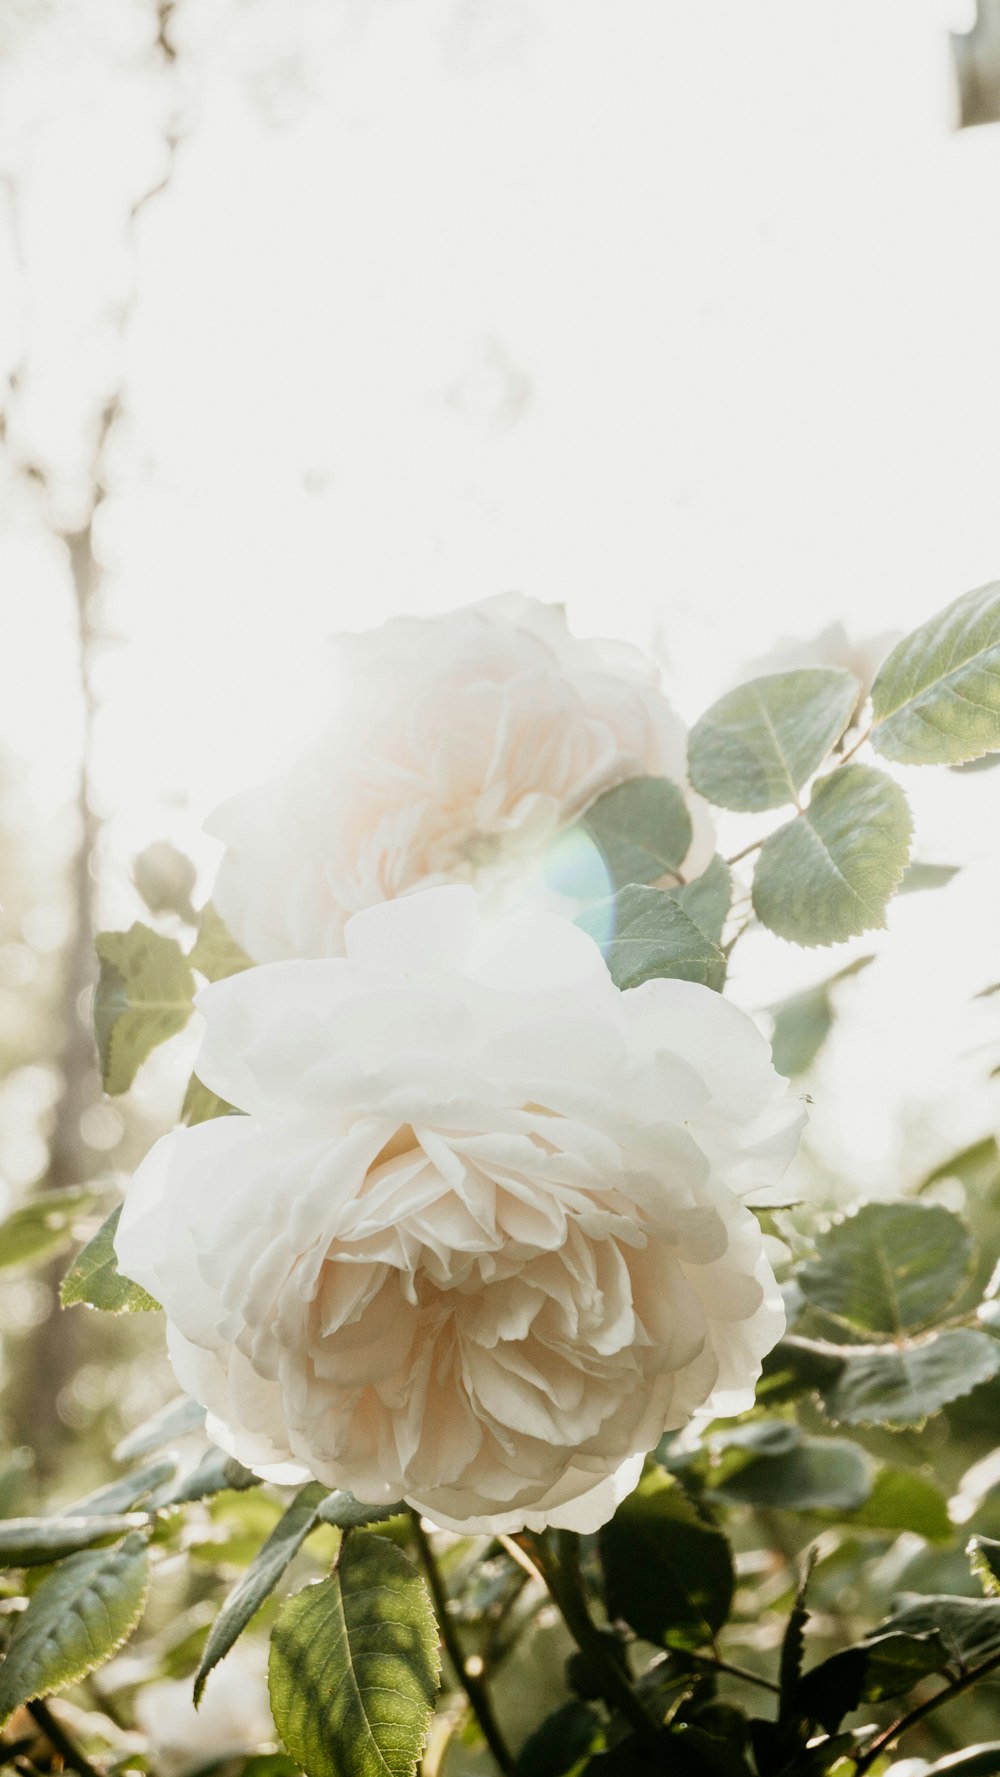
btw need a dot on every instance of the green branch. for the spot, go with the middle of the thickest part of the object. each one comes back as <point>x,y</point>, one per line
<point>470,1681</point>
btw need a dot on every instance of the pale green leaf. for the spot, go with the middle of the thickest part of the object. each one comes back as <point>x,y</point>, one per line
<point>144,995</point>
<point>803,1022</point>
<point>43,1226</point>
<point>756,747</point>
<point>828,874</point>
<point>259,1579</point>
<point>216,954</point>
<point>819,1474</point>
<point>901,1499</point>
<point>918,876</point>
<point>967,1628</point>
<point>201,1104</point>
<point>644,935</point>
<point>984,1556</point>
<point>642,829</point>
<point>354,1666</point>
<point>889,1267</point>
<point>707,898</point>
<point>122,1495</point>
<point>165,879</point>
<point>95,1280</point>
<point>175,1420</point>
<point>936,699</point>
<point>79,1616</point>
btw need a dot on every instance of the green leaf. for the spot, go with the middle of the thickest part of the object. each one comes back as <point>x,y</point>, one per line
<point>707,898</point>
<point>968,1628</point>
<point>641,828</point>
<point>917,877</point>
<point>803,1022</point>
<point>890,1267</point>
<point>669,1573</point>
<point>175,1420</point>
<point>902,1385</point>
<point>756,747</point>
<point>79,1616</point>
<point>144,995</point>
<point>828,874</point>
<point>216,954</point>
<point>565,1737</point>
<point>122,1495</point>
<point>95,1280</point>
<point>347,1513</point>
<point>886,1665</point>
<point>976,1167</point>
<point>165,879</point>
<point>793,1646</point>
<point>645,935</point>
<point>43,1225</point>
<point>819,1474</point>
<point>903,1500</point>
<point>201,1104</point>
<point>217,1472</point>
<point>984,1558</point>
<point>33,1542</point>
<point>259,1580</point>
<point>354,1666</point>
<point>936,700</point>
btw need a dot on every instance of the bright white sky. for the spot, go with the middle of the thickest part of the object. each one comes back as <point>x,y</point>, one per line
<point>683,313</point>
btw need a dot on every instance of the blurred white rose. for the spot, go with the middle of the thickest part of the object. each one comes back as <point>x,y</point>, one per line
<point>234,1715</point>
<point>457,747</point>
<point>479,1241</point>
<point>861,655</point>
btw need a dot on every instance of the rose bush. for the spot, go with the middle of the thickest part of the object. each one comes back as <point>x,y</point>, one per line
<point>478,1241</point>
<point>457,747</point>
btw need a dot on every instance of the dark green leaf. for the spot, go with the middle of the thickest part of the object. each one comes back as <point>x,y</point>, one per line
<point>216,954</point>
<point>79,1616</point>
<point>756,747</point>
<point>886,1665</point>
<point>828,874</point>
<point>354,1666</point>
<point>95,1280</point>
<point>890,1267</point>
<point>793,1646</point>
<point>936,700</point>
<point>984,1556</point>
<point>144,995</point>
<point>902,1385</point>
<point>968,1628</point>
<point>821,1474</point>
<point>43,1225</point>
<point>645,935</point>
<point>565,1737</point>
<point>33,1542</point>
<point>348,1513</point>
<point>669,1573</point>
<point>642,829</point>
<point>259,1580</point>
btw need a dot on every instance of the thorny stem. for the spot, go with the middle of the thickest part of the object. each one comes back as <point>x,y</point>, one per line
<point>883,1741</point>
<point>60,1741</point>
<point>564,1580</point>
<point>738,856</point>
<point>715,1663</point>
<point>471,1683</point>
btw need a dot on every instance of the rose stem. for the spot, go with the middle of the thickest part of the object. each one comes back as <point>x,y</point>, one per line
<point>883,1741</point>
<point>564,1579</point>
<point>59,1740</point>
<point>470,1682</point>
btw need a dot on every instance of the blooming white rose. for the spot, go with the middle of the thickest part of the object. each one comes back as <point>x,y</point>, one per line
<point>457,747</point>
<point>479,1240</point>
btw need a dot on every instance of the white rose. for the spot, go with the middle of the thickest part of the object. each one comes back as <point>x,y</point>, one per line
<point>832,646</point>
<point>457,748</point>
<point>234,1715</point>
<point>479,1240</point>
